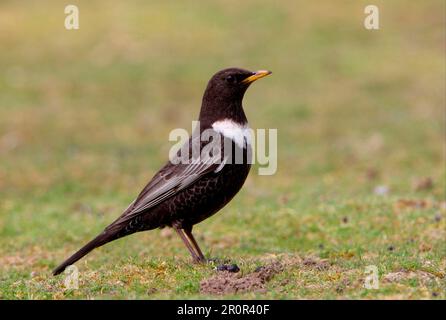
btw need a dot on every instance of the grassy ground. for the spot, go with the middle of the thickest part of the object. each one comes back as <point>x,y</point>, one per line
<point>84,123</point>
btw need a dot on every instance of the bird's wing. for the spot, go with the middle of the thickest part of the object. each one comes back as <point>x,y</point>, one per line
<point>171,179</point>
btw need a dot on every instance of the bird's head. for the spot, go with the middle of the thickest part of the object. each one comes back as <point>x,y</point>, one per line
<point>225,90</point>
<point>232,82</point>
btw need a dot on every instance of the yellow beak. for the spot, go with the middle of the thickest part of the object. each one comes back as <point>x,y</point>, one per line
<point>259,74</point>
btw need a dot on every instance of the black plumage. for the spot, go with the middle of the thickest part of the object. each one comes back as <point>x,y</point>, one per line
<point>182,195</point>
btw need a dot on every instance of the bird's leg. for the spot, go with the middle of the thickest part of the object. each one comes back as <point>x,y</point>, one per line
<point>188,232</point>
<point>187,243</point>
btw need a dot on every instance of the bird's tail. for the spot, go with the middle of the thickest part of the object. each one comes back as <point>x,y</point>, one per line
<point>100,240</point>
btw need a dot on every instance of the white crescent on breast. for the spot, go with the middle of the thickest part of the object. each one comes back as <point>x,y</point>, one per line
<point>237,132</point>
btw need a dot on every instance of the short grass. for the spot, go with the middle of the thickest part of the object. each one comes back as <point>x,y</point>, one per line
<point>84,123</point>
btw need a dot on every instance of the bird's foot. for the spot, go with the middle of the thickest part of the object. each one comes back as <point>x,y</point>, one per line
<point>219,264</point>
<point>216,261</point>
<point>233,268</point>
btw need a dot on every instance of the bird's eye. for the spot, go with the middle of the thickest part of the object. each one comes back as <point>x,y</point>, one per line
<point>231,79</point>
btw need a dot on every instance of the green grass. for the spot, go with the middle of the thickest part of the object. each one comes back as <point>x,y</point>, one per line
<point>84,123</point>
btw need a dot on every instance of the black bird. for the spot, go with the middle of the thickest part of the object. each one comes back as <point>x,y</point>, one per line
<point>182,194</point>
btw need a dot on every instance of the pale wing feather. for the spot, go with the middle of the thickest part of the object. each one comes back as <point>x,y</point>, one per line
<point>167,182</point>
<point>172,185</point>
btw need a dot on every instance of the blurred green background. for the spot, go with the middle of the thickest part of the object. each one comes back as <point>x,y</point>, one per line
<point>85,117</point>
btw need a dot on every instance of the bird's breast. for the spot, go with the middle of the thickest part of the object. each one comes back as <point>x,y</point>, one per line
<point>239,133</point>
